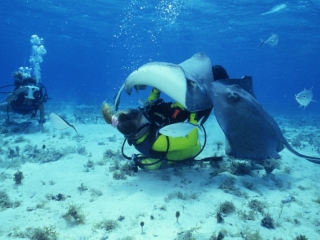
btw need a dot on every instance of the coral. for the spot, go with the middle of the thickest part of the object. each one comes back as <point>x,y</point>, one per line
<point>240,168</point>
<point>267,222</point>
<point>74,215</point>
<point>18,176</point>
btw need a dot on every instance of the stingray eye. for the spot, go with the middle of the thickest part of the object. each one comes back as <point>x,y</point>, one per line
<point>234,97</point>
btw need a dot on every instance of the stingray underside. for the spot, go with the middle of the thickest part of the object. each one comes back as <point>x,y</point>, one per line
<point>187,83</point>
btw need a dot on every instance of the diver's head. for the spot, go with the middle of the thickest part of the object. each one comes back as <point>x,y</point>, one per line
<point>131,123</point>
<point>22,80</point>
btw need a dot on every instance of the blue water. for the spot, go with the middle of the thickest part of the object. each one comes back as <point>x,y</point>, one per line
<point>93,45</point>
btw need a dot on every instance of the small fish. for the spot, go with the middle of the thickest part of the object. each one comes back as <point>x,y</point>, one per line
<point>276,8</point>
<point>304,97</point>
<point>59,122</point>
<point>179,129</point>
<point>272,41</point>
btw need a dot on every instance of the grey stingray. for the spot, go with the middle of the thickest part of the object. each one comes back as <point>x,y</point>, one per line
<point>251,133</point>
<point>187,83</point>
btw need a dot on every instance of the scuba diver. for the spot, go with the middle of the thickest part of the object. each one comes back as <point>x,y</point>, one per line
<point>27,98</point>
<point>141,126</point>
<point>141,129</point>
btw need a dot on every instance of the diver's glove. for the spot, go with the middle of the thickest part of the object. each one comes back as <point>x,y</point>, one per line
<point>14,95</point>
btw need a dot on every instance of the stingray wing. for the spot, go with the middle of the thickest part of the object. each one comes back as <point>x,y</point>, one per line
<point>187,83</point>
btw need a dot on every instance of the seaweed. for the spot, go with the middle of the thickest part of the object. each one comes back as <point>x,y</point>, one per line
<point>20,139</point>
<point>219,217</point>
<point>270,165</point>
<point>252,236</point>
<point>189,234</point>
<point>301,237</point>
<point>226,207</point>
<point>240,168</point>
<point>228,187</point>
<point>45,233</point>
<point>182,196</point>
<point>74,214</point>
<point>82,150</point>
<point>5,201</point>
<point>82,188</point>
<point>256,205</point>
<point>317,200</point>
<point>108,224</point>
<point>18,176</point>
<point>267,222</point>
<point>250,215</point>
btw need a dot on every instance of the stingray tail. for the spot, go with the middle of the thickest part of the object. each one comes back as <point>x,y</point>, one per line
<point>310,159</point>
<point>74,128</point>
<point>262,42</point>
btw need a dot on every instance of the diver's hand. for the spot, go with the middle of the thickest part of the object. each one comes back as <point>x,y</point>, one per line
<point>41,123</point>
<point>14,95</point>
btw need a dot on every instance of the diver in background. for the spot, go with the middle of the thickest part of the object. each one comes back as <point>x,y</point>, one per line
<point>27,97</point>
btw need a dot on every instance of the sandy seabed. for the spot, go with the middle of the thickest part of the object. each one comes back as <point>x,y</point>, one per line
<point>80,187</point>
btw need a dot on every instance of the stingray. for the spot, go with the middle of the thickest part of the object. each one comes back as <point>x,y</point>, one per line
<point>251,133</point>
<point>59,122</point>
<point>272,41</point>
<point>277,8</point>
<point>188,83</point>
<point>181,129</point>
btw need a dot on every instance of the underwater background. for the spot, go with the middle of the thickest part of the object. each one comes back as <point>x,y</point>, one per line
<point>92,46</point>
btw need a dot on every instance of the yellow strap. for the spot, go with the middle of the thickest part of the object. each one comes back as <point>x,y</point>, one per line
<point>176,104</point>
<point>154,95</point>
<point>193,118</point>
